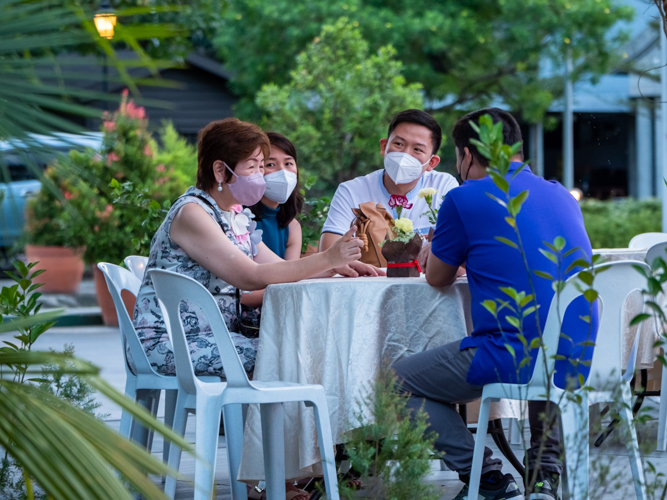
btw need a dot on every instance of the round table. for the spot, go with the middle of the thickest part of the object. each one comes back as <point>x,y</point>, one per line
<point>338,332</point>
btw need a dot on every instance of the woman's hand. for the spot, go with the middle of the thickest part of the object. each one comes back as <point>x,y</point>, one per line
<point>346,249</point>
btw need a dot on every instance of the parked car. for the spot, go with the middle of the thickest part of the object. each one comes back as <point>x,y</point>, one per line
<point>21,164</point>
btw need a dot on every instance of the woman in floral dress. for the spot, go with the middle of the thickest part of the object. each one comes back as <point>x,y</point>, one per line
<point>208,237</point>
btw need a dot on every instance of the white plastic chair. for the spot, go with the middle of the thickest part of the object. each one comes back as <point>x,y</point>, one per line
<point>144,384</point>
<point>647,240</point>
<point>206,400</point>
<point>660,250</point>
<point>137,265</point>
<point>606,376</point>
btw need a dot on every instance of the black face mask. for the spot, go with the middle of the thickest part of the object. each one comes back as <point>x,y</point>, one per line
<point>460,179</point>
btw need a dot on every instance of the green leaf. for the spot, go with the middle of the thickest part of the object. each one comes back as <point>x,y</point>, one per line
<point>544,275</point>
<point>529,311</point>
<point>549,255</point>
<point>586,277</point>
<point>570,252</point>
<point>497,200</point>
<point>559,243</point>
<point>591,295</point>
<point>507,242</point>
<point>511,350</point>
<point>639,319</point>
<point>490,306</point>
<point>577,263</point>
<point>512,320</point>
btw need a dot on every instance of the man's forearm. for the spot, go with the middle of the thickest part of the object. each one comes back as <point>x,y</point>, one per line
<point>328,239</point>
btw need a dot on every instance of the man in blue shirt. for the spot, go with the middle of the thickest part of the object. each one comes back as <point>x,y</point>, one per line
<point>468,223</point>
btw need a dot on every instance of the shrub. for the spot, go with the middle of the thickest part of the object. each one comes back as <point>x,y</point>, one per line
<point>612,224</point>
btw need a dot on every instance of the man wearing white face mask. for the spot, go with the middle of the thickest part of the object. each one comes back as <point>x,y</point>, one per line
<point>282,202</point>
<point>410,157</point>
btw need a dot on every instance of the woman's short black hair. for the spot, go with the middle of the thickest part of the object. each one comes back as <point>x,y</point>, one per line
<point>463,132</point>
<point>419,117</point>
<point>292,207</point>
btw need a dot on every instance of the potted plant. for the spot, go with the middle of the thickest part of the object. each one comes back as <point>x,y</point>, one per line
<point>128,161</point>
<point>401,250</point>
<point>55,233</point>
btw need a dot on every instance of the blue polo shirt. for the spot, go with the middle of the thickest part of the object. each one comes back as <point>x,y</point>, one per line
<point>468,223</point>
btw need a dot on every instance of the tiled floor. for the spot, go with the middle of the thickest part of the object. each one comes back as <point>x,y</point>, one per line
<point>611,476</point>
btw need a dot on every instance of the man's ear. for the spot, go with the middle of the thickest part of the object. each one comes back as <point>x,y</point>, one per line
<point>433,162</point>
<point>383,146</point>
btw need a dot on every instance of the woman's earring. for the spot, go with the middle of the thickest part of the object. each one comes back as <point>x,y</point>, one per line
<point>219,186</point>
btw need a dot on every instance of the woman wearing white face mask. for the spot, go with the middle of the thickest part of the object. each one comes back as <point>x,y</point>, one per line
<point>282,201</point>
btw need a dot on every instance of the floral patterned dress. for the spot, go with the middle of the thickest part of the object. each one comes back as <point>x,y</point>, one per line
<point>166,254</point>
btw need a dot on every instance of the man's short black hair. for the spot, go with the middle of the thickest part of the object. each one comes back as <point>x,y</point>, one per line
<point>419,117</point>
<point>463,132</point>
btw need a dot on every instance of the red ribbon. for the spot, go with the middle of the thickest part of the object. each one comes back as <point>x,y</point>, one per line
<point>413,263</point>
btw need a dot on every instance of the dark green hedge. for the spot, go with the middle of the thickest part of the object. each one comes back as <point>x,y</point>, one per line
<point>611,224</point>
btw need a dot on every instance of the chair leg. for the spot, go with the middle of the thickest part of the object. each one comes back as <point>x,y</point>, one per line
<point>170,397</point>
<point>515,431</point>
<point>126,418</point>
<point>273,435</point>
<point>574,418</point>
<point>139,432</point>
<point>206,445</point>
<point>180,421</point>
<point>480,441</point>
<point>632,443</point>
<point>662,420</point>
<point>155,403</point>
<point>327,453</point>
<point>233,418</point>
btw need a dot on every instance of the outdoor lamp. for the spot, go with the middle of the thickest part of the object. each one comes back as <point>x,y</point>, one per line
<point>577,193</point>
<point>105,20</point>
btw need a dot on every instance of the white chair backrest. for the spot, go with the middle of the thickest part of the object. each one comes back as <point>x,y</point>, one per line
<point>137,265</point>
<point>613,285</point>
<point>551,334</point>
<point>647,240</point>
<point>657,250</point>
<point>172,289</point>
<point>119,279</point>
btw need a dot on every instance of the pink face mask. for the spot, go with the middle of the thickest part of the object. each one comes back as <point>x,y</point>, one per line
<point>248,189</point>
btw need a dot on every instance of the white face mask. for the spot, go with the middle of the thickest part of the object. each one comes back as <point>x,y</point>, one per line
<point>402,167</point>
<point>279,185</point>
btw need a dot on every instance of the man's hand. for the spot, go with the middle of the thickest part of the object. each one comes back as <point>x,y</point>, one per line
<point>355,269</point>
<point>423,256</point>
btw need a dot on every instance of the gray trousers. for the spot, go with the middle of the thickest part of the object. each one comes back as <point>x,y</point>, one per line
<point>436,379</point>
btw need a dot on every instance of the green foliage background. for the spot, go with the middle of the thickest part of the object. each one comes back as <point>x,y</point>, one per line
<point>338,103</point>
<point>612,224</point>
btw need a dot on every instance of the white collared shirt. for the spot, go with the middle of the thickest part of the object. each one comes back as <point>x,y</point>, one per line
<point>370,187</point>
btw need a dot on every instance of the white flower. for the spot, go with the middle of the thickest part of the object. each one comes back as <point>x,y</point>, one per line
<point>404,225</point>
<point>423,193</point>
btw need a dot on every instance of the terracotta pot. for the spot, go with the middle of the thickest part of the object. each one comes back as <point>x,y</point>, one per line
<point>310,250</point>
<point>105,301</point>
<point>399,253</point>
<point>64,267</point>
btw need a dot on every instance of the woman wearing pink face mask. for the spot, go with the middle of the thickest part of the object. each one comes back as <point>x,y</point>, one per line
<point>206,235</point>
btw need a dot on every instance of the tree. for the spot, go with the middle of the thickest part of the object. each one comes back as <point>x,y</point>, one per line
<point>338,102</point>
<point>466,53</point>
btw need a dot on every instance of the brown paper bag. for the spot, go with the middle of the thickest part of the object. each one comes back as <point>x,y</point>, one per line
<point>373,223</point>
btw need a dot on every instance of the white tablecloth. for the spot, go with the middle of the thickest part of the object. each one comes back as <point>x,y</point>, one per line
<point>646,352</point>
<point>338,332</point>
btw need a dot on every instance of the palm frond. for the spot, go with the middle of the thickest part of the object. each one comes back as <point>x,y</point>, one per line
<point>70,453</point>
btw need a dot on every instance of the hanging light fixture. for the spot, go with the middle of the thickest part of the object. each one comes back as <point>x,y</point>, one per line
<point>105,20</point>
